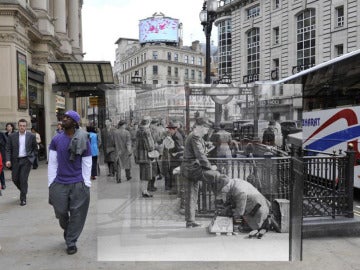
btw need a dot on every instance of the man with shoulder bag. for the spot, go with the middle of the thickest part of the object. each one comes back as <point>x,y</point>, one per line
<point>194,163</point>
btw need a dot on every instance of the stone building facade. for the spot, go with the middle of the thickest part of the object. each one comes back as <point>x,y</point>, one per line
<point>269,40</point>
<point>32,33</point>
<point>159,63</point>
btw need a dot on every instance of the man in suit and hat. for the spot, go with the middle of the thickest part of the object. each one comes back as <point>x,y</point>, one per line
<point>194,163</point>
<point>269,134</point>
<point>108,144</point>
<point>21,151</point>
<point>172,155</point>
<point>123,150</point>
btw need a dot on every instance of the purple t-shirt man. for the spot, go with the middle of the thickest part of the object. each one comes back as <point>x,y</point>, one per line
<point>68,172</point>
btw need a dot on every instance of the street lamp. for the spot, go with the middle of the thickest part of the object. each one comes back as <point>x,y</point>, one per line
<point>207,18</point>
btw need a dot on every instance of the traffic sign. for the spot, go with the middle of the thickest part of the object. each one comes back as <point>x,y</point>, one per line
<point>93,101</point>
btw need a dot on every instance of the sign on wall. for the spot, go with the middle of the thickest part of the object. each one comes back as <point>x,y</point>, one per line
<point>22,81</point>
<point>60,102</point>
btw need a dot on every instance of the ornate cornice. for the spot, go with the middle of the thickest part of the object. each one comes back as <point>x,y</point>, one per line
<point>26,16</point>
<point>14,37</point>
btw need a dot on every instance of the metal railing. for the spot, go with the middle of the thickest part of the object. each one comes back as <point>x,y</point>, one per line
<point>328,185</point>
<point>327,182</point>
<point>271,175</point>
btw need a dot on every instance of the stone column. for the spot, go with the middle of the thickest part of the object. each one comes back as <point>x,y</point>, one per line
<point>74,22</point>
<point>39,4</point>
<point>60,15</point>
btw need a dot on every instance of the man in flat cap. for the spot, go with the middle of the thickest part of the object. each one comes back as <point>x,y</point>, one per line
<point>247,202</point>
<point>69,171</point>
<point>123,150</point>
<point>194,163</point>
<point>172,155</point>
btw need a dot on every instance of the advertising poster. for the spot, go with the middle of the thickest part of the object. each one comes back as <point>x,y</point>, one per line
<point>22,81</point>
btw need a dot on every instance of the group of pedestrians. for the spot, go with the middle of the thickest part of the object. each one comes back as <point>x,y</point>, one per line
<point>157,149</point>
<point>69,171</point>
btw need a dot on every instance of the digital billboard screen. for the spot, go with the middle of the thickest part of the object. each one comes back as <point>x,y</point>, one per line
<point>158,30</point>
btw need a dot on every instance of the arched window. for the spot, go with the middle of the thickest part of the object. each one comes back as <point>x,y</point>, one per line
<point>306,27</point>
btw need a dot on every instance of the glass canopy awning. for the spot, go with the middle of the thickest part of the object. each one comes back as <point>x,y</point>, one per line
<point>83,78</point>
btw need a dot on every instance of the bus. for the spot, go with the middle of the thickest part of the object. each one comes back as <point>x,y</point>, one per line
<point>331,106</point>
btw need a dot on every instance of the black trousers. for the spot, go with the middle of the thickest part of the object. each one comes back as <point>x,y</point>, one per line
<point>94,166</point>
<point>20,174</point>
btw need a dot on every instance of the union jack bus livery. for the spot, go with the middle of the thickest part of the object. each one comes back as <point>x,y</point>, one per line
<point>331,106</point>
<point>330,131</point>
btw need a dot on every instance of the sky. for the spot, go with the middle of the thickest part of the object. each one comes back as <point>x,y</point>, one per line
<point>105,21</point>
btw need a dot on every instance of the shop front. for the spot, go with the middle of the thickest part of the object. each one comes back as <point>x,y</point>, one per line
<point>36,101</point>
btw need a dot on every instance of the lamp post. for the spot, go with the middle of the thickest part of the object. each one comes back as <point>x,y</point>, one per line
<point>207,18</point>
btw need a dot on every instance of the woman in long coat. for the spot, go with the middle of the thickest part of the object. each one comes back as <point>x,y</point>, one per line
<point>222,140</point>
<point>144,145</point>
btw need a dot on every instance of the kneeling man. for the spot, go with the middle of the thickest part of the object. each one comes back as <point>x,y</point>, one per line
<point>247,202</point>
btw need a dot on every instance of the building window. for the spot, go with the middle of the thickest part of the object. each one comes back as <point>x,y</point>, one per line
<point>169,56</point>
<point>155,82</point>
<point>186,73</point>
<point>176,57</point>
<point>144,56</point>
<point>169,82</point>
<point>276,63</point>
<point>176,72</point>
<point>200,61</point>
<point>200,77</point>
<point>186,59</point>
<point>225,47</point>
<point>339,11</point>
<point>276,33</point>
<point>339,49</point>
<point>276,4</point>
<point>275,69</point>
<point>169,71</point>
<point>155,55</point>
<point>155,70</point>
<point>306,39</point>
<point>253,56</point>
<point>253,11</point>
<point>192,60</point>
<point>193,74</point>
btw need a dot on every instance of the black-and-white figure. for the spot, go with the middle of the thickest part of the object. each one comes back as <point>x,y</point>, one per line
<point>269,134</point>
<point>108,146</point>
<point>194,163</point>
<point>144,145</point>
<point>123,149</point>
<point>246,202</point>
